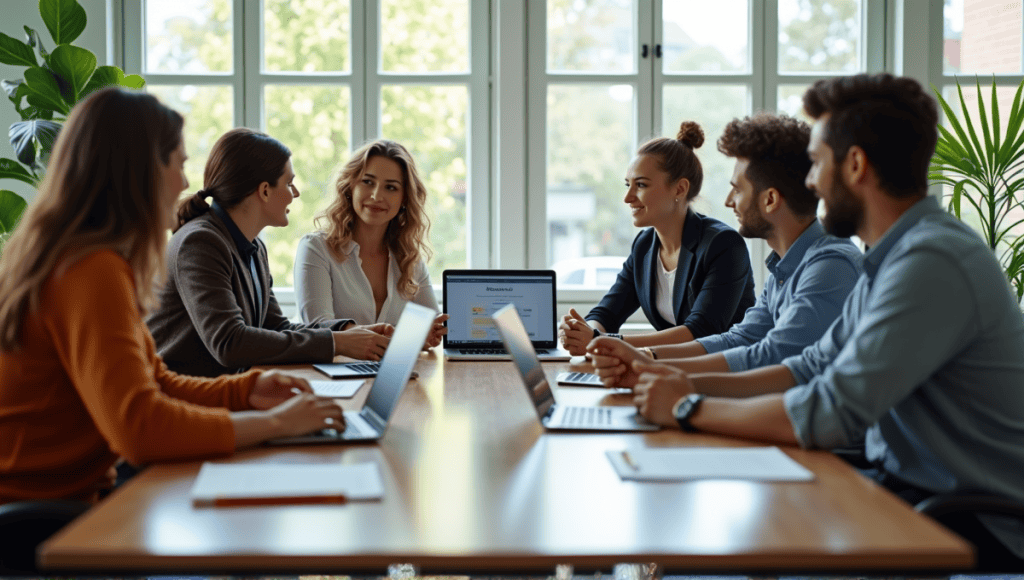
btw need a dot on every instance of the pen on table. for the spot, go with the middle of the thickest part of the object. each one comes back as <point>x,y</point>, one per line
<point>629,461</point>
<point>280,500</point>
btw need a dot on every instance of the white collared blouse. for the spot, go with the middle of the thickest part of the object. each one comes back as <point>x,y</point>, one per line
<point>327,289</point>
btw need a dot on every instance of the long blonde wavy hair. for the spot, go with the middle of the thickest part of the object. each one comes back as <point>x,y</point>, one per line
<point>100,192</point>
<point>406,236</point>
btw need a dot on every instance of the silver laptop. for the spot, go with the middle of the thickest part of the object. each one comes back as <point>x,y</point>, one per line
<point>552,415</point>
<point>471,297</point>
<point>371,421</point>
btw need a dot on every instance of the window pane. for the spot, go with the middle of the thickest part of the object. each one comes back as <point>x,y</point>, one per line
<point>188,36</point>
<point>712,106</point>
<point>983,37</point>
<point>431,123</point>
<point>419,37</point>
<point>701,36</point>
<point>819,36</point>
<point>597,36</point>
<point>312,121</point>
<point>208,112</point>
<point>791,101</point>
<point>297,39</point>
<point>591,136</point>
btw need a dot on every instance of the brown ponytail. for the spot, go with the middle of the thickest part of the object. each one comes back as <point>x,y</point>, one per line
<point>240,161</point>
<point>676,157</point>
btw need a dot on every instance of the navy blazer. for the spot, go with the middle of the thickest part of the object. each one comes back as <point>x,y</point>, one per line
<point>714,283</point>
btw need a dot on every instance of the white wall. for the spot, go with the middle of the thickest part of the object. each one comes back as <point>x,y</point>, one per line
<point>19,13</point>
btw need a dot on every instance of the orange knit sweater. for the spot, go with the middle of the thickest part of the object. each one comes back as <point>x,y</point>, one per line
<point>87,386</point>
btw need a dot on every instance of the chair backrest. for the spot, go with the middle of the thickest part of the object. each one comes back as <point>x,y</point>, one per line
<point>26,524</point>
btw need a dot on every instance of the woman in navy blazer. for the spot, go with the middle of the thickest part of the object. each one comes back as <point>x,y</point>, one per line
<point>689,273</point>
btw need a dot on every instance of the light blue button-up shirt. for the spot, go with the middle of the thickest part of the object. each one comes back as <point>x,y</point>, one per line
<point>803,295</point>
<point>926,360</point>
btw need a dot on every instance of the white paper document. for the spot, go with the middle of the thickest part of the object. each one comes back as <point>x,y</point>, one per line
<point>679,464</point>
<point>343,389</point>
<point>274,483</point>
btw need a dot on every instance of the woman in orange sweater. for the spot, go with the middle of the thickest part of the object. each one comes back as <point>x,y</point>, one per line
<point>80,381</point>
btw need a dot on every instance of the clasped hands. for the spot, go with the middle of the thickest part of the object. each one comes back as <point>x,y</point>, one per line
<point>656,387</point>
<point>369,342</point>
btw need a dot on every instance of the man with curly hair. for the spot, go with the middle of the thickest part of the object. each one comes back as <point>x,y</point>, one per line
<point>926,361</point>
<point>810,272</point>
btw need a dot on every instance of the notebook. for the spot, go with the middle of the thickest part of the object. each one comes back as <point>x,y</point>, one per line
<point>247,484</point>
<point>552,415</point>
<point>471,297</point>
<point>672,464</point>
<point>371,421</point>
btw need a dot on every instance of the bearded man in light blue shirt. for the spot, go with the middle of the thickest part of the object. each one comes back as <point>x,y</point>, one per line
<point>926,360</point>
<point>810,272</point>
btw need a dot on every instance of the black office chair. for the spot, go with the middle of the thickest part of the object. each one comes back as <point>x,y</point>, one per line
<point>26,524</point>
<point>959,511</point>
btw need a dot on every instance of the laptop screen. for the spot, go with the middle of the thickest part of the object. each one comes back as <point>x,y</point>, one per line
<point>471,297</point>
<point>399,359</point>
<point>510,326</point>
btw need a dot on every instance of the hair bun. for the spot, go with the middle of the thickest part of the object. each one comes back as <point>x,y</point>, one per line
<point>690,134</point>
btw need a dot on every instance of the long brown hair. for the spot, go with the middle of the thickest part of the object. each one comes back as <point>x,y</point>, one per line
<point>100,192</point>
<point>407,232</point>
<point>676,156</point>
<point>240,161</point>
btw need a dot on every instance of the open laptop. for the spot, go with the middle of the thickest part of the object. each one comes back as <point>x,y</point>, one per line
<point>552,415</point>
<point>371,421</point>
<point>471,297</point>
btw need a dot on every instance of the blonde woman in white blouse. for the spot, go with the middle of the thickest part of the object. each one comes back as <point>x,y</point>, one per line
<point>370,259</point>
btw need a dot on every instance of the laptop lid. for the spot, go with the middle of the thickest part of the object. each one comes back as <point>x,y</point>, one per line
<point>396,366</point>
<point>517,342</point>
<point>472,297</point>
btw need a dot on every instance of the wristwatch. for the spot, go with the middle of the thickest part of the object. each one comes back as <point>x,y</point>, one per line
<point>598,333</point>
<point>685,408</point>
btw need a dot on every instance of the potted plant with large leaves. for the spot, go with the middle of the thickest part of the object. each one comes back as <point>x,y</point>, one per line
<point>50,87</point>
<point>986,174</point>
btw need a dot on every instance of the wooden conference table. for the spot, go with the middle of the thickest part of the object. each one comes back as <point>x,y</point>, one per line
<point>472,483</point>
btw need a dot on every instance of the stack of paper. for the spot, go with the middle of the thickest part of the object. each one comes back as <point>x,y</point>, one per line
<point>230,484</point>
<point>678,464</point>
<point>336,389</point>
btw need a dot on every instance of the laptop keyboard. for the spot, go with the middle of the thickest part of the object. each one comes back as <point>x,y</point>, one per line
<point>351,432</point>
<point>587,416</point>
<point>484,351</point>
<point>590,379</point>
<point>368,367</point>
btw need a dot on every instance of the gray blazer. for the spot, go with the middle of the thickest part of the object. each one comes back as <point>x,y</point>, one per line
<point>206,325</point>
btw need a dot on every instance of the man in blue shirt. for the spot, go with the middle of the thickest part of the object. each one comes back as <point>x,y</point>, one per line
<point>926,360</point>
<point>810,272</point>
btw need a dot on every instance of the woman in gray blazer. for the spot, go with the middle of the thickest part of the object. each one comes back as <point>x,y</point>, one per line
<point>218,313</point>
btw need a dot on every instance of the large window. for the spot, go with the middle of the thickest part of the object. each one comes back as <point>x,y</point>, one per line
<point>618,72</point>
<point>323,77</point>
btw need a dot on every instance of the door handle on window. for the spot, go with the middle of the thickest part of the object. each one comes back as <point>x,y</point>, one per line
<point>644,49</point>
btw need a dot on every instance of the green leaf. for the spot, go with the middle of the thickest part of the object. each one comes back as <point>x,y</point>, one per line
<point>33,39</point>
<point>961,138</point>
<point>15,52</point>
<point>65,19</point>
<point>12,206</point>
<point>970,128</point>
<point>43,91</point>
<point>989,150</point>
<point>133,82</point>
<point>995,123</point>
<point>958,192</point>
<point>1013,125</point>
<point>26,135</point>
<point>105,76</point>
<point>10,169</point>
<point>75,65</point>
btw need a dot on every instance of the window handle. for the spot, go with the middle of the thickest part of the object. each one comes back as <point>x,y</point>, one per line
<point>657,51</point>
<point>644,49</point>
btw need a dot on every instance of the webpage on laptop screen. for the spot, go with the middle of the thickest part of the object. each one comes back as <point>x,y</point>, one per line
<point>472,300</point>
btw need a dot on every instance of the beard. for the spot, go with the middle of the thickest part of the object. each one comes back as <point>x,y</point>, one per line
<point>844,213</point>
<point>753,224</point>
